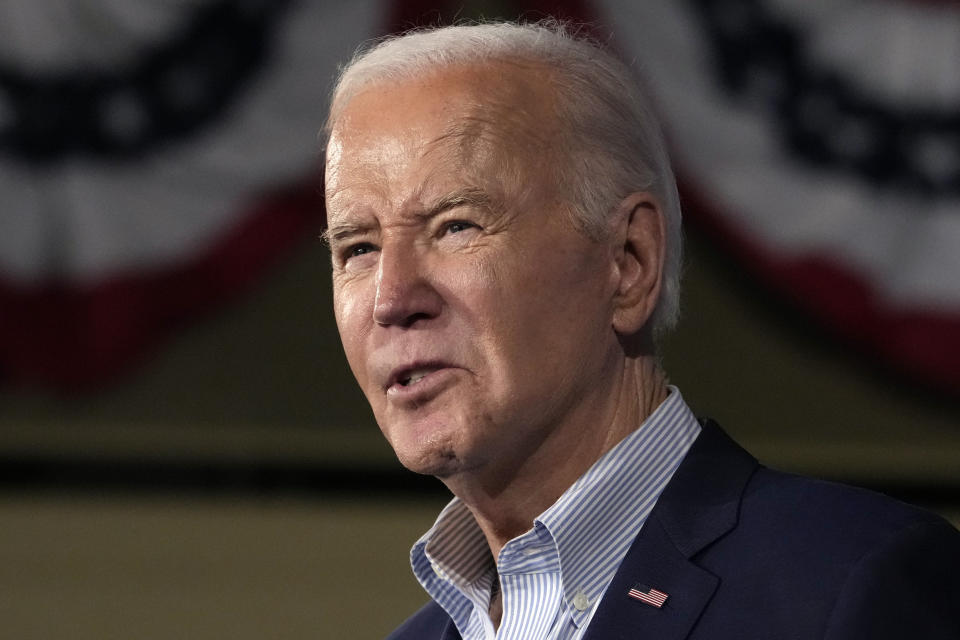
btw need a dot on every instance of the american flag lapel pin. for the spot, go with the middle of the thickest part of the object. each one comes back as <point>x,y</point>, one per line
<point>649,595</point>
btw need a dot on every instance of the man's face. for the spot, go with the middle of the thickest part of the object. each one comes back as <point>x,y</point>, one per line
<point>473,314</point>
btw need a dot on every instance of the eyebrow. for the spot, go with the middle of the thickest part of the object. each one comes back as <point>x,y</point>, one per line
<point>469,196</point>
<point>342,232</point>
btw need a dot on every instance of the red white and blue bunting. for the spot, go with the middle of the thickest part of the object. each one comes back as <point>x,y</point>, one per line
<point>156,156</point>
<point>820,143</point>
<point>155,159</point>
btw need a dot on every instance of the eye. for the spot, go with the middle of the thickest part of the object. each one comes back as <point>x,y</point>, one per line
<point>356,250</point>
<point>359,249</point>
<point>457,226</point>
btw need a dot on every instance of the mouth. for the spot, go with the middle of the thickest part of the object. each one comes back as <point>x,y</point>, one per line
<point>409,379</point>
<point>413,377</point>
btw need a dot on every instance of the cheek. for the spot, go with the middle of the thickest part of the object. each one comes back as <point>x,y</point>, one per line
<point>508,308</point>
<point>552,312</point>
<point>353,314</point>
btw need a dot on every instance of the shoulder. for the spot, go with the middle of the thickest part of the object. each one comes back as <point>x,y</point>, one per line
<point>427,623</point>
<point>906,582</point>
<point>793,494</point>
<point>779,509</point>
<point>798,523</point>
<point>811,512</point>
<point>859,563</point>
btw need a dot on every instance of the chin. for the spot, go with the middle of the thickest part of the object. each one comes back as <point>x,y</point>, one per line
<point>431,453</point>
<point>438,460</point>
<point>434,450</point>
<point>439,465</point>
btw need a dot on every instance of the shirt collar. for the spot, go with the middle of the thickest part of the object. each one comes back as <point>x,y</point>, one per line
<point>597,519</point>
<point>592,524</point>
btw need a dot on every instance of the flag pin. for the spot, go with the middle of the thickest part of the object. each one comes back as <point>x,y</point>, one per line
<point>649,595</point>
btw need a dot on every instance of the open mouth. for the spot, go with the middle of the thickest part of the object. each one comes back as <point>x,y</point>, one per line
<point>413,377</point>
<point>416,384</point>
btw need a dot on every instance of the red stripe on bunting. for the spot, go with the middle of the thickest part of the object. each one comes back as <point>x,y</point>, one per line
<point>924,344</point>
<point>77,337</point>
<point>73,336</point>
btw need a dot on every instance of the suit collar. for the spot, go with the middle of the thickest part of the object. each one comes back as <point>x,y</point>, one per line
<point>450,631</point>
<point>699,505</point>
<point>702,500</point>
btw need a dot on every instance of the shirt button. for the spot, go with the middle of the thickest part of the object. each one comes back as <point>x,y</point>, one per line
<point>437,570</point>
<point>529,551</point>
<point>581,601</point>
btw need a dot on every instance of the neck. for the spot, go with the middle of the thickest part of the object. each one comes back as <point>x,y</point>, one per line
<point>505,507</point>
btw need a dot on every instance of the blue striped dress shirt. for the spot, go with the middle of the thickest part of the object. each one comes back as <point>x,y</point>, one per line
<point>553,576</point>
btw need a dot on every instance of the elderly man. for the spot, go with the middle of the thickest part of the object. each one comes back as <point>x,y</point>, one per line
<point>504,229</point>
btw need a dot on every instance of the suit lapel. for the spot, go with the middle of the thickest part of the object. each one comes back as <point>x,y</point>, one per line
<point>655,562</point>
<point>450,632</point>
<point>700,503</point>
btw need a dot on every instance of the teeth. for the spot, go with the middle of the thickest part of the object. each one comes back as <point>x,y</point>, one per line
<point>414,377</point>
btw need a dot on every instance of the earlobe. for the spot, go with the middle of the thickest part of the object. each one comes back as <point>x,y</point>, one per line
<point>641,239</point>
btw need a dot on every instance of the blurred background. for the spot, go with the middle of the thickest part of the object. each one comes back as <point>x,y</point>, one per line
<point>183,452</point>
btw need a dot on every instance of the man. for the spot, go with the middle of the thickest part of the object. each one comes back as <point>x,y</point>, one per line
<point>504,229</point>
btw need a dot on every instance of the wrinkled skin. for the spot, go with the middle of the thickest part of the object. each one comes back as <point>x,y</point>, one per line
<point>492,338</point>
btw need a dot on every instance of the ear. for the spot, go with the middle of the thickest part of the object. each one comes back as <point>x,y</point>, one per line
<point>640,234</point>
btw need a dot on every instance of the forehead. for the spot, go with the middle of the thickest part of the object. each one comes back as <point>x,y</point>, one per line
<point>485,119</point>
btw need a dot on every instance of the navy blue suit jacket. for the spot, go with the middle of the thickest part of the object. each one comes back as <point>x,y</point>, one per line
<point>745,552</point>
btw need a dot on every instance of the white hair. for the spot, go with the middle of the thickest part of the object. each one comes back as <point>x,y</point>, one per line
<point>614,144</point>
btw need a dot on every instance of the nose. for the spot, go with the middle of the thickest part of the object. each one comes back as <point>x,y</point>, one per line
<point>405,294</point>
